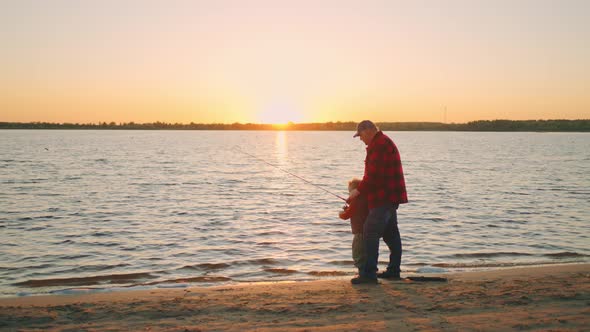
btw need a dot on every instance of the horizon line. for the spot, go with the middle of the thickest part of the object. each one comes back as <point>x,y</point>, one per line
<point>290,123</point>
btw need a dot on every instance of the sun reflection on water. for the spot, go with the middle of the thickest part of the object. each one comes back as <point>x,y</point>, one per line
<point>281,147</point>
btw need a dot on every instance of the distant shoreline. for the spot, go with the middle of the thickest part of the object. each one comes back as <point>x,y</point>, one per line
<point>481,125</point>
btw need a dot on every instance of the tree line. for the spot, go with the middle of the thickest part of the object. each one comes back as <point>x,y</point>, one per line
<point>481,125</point>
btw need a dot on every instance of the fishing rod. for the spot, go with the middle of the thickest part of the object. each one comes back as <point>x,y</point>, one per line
<point>295,175</point>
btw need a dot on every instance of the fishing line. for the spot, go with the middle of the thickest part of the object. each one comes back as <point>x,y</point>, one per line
<point>295,175</point>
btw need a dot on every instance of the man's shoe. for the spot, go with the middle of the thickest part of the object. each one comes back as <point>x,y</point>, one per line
<point>388,275</point>
<point>364,280</point>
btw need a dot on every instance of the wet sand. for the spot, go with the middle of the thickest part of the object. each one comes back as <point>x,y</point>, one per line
<point>548,298</point>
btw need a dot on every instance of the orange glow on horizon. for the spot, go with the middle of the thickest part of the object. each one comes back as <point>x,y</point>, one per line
<point>302,62</point>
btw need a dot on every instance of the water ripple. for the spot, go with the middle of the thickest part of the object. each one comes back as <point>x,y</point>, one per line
<point>173,208</point>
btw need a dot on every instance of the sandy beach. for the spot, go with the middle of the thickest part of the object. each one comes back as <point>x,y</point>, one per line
<point>548,298</point>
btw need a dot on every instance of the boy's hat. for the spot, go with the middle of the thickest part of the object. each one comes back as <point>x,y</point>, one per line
<point>365,124</point>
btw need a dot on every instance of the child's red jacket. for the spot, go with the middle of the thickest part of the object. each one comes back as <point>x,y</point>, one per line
<point>357,212</point>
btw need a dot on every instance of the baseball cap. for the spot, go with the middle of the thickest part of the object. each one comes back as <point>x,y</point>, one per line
<point>365,124</point>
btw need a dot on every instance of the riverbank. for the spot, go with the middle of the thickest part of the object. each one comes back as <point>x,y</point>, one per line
<point>542,298</point>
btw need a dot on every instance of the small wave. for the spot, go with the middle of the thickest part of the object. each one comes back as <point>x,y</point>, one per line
<point>579,192</point>
<point>512,221</point>
<point>415,264</point>
<point>92,268</point>
<point>70,178</point>
<point>516,193</point>
<point>68,257</point>
<point>147,184</point>
<point>27,181</point>
<point>206,266</point>
<point>565,254</point>
<point>493,264</point>
<point>270,233</point>
<point>100,244</point>
<point>6,268</point>
<point>31,267</point>
<point>260,261</point>
<point>490,254</point>
<point>99,234</point>
<point>471,265</point>
<point>345,263</point>
<point>327,273</point>
<point>281,271</point>
<point>84,281</point>
<point>192,279</point>
<point>233,181</point>
<point>129,248</point>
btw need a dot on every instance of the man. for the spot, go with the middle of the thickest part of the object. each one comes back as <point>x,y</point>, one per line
<point>384,184</point>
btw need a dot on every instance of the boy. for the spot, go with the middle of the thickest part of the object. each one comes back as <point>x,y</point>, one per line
<point>357,212</point>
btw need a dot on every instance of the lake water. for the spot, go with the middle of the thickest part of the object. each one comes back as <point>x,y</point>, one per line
<point>88,210</point>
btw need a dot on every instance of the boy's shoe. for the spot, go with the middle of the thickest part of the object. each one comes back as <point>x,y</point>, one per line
<point>388,275</point>
<point>364,280</point>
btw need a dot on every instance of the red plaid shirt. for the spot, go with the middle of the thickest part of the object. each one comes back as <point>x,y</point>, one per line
<point>383,181</point>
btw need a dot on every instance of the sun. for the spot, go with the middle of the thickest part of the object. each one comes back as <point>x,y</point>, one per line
<point>280,115</point>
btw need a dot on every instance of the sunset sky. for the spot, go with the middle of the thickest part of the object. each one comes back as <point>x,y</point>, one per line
<point>274,61</point>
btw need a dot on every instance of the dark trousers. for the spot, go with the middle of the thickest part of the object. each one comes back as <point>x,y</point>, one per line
<point>381,222</point>
<point>394,242</point>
